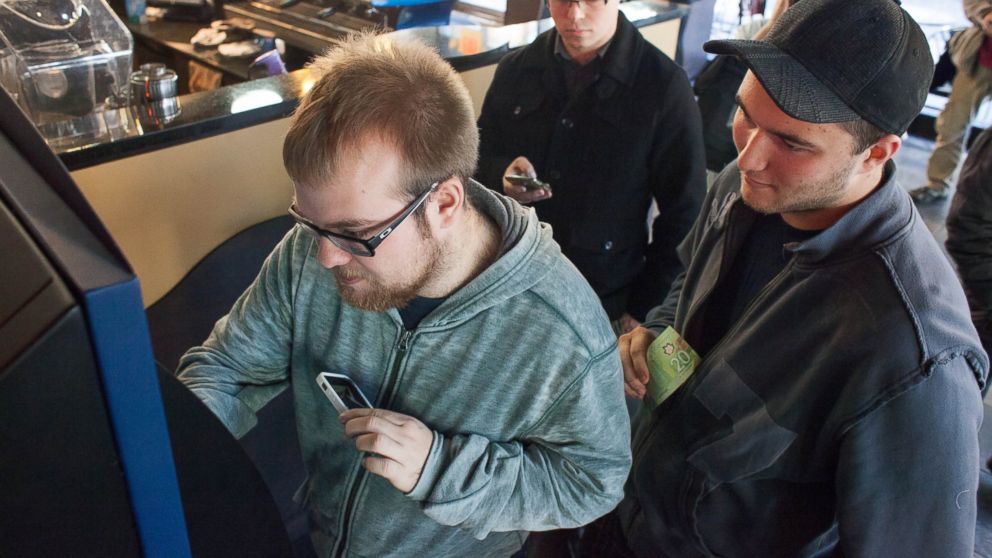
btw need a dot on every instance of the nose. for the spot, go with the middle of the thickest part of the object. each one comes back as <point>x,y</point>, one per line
<point>753,151</point>
<point>330,256</point>
<point>576,10</point>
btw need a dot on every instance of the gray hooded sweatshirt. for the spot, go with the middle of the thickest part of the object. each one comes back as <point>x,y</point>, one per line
<point>517,373</point>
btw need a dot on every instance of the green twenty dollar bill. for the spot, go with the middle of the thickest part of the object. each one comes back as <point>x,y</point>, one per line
<point>671,361</point>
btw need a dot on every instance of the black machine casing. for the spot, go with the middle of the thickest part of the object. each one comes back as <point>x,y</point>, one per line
<point>101,454</point>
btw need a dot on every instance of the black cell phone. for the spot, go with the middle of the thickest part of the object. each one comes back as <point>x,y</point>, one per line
<point>528,182</point>
<point>342,392</point>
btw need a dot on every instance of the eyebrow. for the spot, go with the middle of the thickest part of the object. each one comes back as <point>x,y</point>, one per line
<point>783,135</point>
<point>354,224</point>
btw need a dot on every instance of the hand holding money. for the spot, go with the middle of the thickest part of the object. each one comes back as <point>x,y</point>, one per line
<point>670,361</point>
<point>633,353</point>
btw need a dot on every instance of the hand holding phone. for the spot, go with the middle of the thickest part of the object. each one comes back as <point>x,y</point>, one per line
<point>342,392</point>
<point>520,182</point>
<point>528,182</point>
<point>397,444</point>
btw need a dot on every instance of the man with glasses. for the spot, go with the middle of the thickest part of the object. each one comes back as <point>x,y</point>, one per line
<point>610,123</point>
<point>492,370</point>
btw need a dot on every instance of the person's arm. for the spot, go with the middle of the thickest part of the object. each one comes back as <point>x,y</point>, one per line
<point>969,223</point>
<point>566,471</point>
<point>907,472</point>
<point>663,315</point>
<point>243,363</point>
<point>678,185</point>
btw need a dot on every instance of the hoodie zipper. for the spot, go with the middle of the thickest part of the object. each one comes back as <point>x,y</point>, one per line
<point>402,346</point>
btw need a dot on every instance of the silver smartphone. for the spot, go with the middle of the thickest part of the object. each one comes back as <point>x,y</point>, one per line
<point>528,182</point>
<point>342,392</point>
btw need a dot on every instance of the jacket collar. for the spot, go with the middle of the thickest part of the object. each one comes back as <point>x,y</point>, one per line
<point>885,214</point>
<point>529,254</point>
<point>620,61</point>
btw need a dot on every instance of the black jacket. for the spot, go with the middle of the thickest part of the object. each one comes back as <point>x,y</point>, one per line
<point>632,136</point>
<point>839,416</point>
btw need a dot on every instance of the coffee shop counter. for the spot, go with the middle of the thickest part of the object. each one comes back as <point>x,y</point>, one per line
<point>171,190</point>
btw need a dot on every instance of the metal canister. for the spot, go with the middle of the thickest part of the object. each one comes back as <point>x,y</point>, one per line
<point>153,82</point>
<point>153,94</point>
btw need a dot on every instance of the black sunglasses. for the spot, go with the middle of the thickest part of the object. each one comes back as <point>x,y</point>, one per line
<point>357,246</point>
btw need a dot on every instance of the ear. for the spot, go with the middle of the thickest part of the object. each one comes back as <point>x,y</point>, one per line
<point>447,202</point>
<point>880,152</point>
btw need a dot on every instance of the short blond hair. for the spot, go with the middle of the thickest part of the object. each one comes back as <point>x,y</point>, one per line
<point>401,92</point>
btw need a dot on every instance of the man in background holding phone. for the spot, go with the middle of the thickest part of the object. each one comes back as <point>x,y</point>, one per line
<point>610,123</point>
<point>835,404</point>
<point>493,371</point>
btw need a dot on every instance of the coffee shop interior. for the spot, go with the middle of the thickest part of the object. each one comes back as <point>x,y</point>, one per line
<point>141,177</point>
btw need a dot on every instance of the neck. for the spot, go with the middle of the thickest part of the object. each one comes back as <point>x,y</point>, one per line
<point>474,248</point>
<point>582,58</point>
<point>822,218</point>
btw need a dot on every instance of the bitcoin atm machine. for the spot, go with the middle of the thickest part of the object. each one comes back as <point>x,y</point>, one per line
<point>100,454</point>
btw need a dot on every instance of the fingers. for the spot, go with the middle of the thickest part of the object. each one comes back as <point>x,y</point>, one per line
<point>400,444</point>
<point>633,355</point>
<point>398,429</point>
<point>521,165</point>
<point>379,444</point>
<point>630,392</point>
<point>640,339</point>
<point>631,386</point>
<point>629,323</point>
<point>393,417</point>
<point>382,466</point>
<point>523,195</point>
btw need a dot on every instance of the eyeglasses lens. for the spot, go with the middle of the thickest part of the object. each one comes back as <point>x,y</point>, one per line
<point>350,246</point>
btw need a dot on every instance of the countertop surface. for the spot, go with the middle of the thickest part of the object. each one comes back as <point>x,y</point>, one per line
<point>136,130</point>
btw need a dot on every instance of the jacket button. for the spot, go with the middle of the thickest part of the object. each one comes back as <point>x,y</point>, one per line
<point>567,123</point>
<point>517,110</point>
<point>554,175</point>
<point>608,245</point>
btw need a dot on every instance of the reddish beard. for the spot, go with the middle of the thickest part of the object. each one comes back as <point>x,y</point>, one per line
<point>373,295</point>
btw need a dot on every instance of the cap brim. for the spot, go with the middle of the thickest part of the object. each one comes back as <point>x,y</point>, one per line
<point>793,88</point>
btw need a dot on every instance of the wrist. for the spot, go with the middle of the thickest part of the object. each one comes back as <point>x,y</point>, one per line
<point>430,471</point>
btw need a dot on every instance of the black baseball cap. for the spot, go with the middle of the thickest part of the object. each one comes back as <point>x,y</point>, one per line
<point>836,60</point>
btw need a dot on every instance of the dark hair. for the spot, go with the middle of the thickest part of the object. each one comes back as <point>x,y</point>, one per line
<point>399,91</point>
<point>865,133</point>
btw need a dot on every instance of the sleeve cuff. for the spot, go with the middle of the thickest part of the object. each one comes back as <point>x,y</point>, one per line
<point>656,326</point>
<point>431,471</point>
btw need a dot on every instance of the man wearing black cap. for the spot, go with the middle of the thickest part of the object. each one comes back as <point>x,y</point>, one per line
<point>819,390</point>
